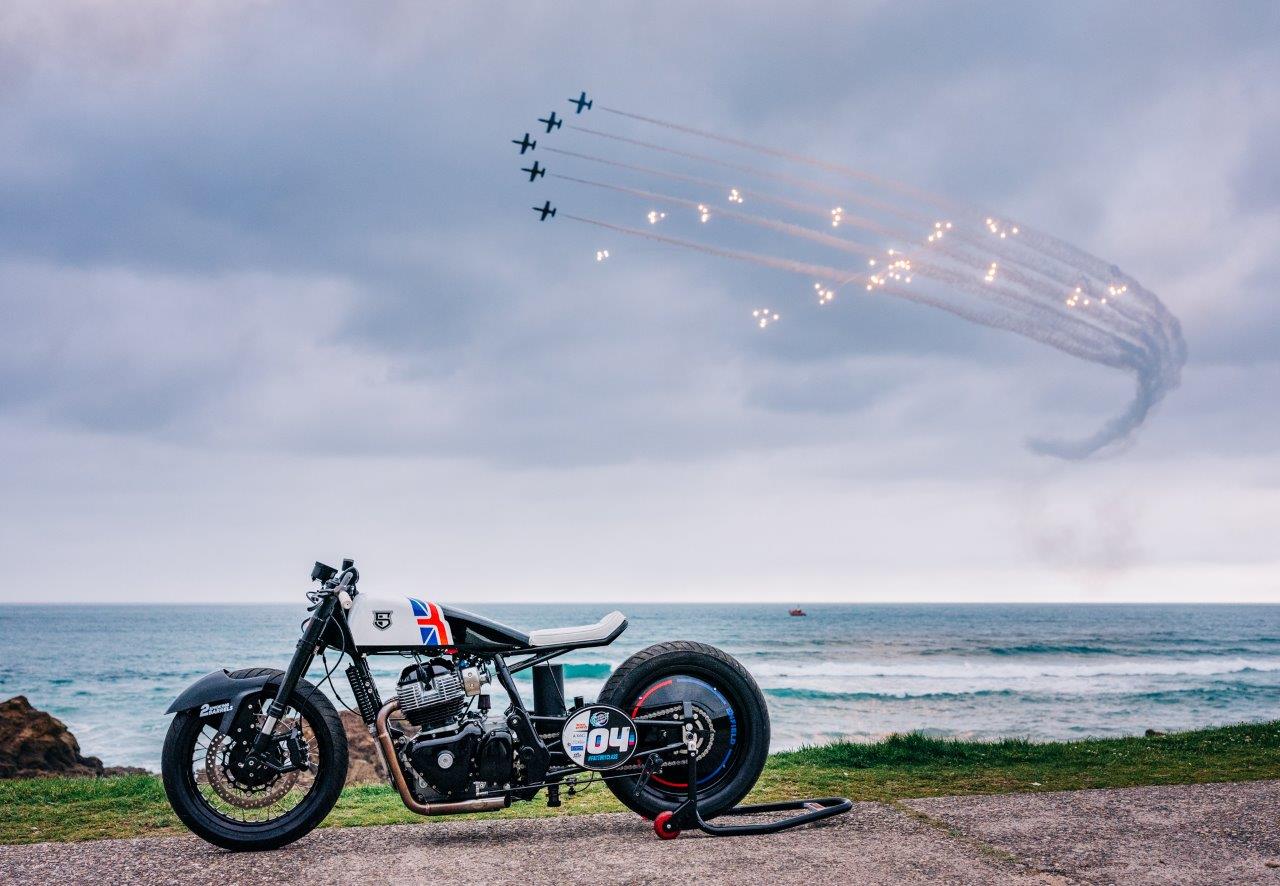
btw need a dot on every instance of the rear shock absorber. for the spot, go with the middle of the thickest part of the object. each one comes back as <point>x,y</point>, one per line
<point>366,693</point>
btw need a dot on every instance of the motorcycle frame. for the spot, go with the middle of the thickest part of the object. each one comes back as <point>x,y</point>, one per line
<point>327,628</point>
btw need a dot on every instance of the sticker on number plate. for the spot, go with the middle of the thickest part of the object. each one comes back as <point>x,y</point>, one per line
<point>599,737</point>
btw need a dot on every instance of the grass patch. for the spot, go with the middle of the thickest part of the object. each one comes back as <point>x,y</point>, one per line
<point>906,766</point>
<point>900,767</point>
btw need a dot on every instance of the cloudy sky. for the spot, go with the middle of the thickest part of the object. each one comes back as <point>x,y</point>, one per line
<point>270,292</point>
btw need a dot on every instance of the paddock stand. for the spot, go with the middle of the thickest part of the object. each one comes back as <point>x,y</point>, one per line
<point>686,816</point>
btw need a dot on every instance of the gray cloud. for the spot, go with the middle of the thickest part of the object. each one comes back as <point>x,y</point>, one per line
<point>262,232</point>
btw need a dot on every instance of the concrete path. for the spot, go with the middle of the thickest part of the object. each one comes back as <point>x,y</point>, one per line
<point>1213,833</point>
<point>1202,835</point>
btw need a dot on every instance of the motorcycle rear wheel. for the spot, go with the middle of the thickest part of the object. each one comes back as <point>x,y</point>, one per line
<point>227,810</point>
<point>732,725</point>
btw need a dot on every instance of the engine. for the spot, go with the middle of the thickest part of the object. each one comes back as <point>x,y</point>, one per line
<point>454,748</point>
<point>431,695</point>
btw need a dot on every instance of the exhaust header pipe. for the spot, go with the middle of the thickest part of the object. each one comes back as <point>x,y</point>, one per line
<point>388,749</point>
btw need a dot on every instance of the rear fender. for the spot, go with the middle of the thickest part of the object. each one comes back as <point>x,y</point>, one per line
<point>219,693</point>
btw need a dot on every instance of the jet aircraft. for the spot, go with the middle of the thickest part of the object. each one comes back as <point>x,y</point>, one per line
<point>546,209</point>
<point>582,102</point>
<point>553,122</point>
<point>534,171</point>
<point>524,143</point>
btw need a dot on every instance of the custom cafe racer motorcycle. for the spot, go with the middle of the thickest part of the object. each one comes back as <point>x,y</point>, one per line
<point>255,758</point>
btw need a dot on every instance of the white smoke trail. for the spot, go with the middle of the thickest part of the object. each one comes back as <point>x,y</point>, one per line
<point>801,183</point>
<point>821,211</point>
<point>1076,346</point>
<point>1024,281</point>
<point>1028,305</point>
<point>889,184</point>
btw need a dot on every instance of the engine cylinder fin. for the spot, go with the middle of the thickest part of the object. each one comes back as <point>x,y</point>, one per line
<point>434,704</point>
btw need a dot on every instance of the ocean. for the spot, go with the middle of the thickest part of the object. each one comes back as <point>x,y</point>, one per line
<point>844,671</point>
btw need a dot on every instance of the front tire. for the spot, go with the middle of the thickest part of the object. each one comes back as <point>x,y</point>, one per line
<point>732,725</point>
<point>210,798</point>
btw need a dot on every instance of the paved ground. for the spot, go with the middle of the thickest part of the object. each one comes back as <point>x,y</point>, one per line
<point>1203,835</point>
<point>1214,833</point>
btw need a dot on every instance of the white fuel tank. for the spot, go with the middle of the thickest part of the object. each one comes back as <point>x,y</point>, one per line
<point>397,622</point>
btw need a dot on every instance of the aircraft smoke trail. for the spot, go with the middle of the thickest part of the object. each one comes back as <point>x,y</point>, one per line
<point>750,218</point>
<point>711,185</point>
<point>983,268</point>
<point>1008,254</point>
<point>1016,299</point>
<point>1048,244</point>
<point>812,209</point>
<point>1075,347</point>
<point>923,196</point>
<point>805,184</point>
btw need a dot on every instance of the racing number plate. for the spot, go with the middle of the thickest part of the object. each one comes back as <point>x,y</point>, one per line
<point>599,737</point>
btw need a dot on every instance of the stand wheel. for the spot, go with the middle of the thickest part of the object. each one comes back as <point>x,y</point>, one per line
<point>663,828</point>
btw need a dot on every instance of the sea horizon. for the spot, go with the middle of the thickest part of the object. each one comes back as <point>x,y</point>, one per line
<point>605,604</point>
<point>845,671</point>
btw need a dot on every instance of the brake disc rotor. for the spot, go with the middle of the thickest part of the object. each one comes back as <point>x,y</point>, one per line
<point>217,764</point>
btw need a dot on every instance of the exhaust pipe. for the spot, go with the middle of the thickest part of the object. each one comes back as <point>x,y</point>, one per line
<point>389,757</point>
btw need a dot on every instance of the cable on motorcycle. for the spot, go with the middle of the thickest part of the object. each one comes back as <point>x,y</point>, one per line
<point>328,674</point>
<point>576,789</point>
<point>328,678</point>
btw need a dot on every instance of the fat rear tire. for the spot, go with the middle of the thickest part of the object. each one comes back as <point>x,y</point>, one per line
<point>181,789</point>
<point>719,669</point>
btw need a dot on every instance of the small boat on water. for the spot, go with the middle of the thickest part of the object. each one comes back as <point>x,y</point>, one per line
<point>798,611</point>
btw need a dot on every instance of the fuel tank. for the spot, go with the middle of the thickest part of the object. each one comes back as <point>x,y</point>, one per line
<point>411,623</point>
<point>393,622</point>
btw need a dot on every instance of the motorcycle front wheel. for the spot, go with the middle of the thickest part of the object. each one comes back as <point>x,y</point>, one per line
<point>239,807</point>
<point>731,725</point>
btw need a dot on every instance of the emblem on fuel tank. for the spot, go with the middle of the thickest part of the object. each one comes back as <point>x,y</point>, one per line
<point>382,619</point>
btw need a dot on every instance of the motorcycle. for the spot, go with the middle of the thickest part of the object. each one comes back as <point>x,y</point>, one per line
<point>256,758</point>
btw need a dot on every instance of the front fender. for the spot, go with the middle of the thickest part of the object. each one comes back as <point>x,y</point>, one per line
<point>220,692</point>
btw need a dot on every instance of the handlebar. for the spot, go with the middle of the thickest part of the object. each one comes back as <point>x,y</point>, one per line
<point>333,581</point>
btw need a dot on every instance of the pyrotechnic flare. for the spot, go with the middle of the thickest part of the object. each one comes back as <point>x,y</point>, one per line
<point>764,317</point>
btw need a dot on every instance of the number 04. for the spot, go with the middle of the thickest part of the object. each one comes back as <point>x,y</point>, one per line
<point>600,740</point>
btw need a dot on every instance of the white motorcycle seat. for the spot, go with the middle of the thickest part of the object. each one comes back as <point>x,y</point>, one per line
<point>601,631</point>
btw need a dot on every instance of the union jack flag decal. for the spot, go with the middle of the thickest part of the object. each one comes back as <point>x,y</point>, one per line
<point>432,624</point>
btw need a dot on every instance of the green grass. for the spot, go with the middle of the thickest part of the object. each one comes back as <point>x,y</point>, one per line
<point>899,767</point>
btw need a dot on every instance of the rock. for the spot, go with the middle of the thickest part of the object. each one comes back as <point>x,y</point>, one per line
<point>1153,733</point>
<point>34,743</point>
<point>364,763</point>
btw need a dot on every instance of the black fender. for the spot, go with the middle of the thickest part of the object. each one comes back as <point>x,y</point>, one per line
<point>220,692</point>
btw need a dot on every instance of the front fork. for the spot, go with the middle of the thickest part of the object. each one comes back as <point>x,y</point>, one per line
<point>303,655</point>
